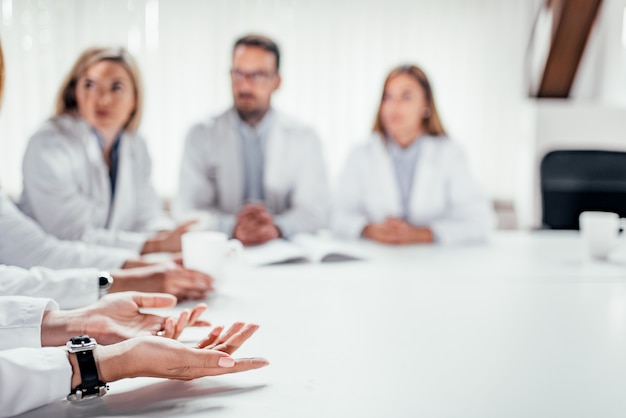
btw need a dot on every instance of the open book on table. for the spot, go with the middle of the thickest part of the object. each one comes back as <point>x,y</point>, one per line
<point>302,248</point>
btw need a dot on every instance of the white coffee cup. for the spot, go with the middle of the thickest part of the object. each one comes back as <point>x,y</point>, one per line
<point>206,251</point>
<point>600,232</point>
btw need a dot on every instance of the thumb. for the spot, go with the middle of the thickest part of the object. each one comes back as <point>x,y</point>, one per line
<point>208,359</point>
<point>154,300</point>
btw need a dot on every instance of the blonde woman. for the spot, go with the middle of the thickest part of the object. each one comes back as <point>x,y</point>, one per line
<point>87,174</point>
<point>409,183</point>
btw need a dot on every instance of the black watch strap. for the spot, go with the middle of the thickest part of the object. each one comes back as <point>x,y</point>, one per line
<point>91,385</point>
<point>88,372</point>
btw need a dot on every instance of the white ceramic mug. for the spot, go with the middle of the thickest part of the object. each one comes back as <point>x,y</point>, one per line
<point>600,232</point>
<point>206,251</point>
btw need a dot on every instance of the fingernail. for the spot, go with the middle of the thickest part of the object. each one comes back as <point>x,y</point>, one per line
<point>226,362</point>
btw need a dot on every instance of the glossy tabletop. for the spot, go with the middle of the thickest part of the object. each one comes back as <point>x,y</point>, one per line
<point>524,326</point>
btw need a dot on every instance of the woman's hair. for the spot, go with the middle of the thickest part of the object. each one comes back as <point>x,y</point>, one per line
<point>1,73</point>
<point>66,99</point>
<point>432,123</point>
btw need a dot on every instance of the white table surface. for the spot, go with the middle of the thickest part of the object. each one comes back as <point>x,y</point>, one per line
<point>524,326</point>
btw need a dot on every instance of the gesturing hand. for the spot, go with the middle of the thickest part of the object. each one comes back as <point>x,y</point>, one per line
<point>166,358</point>
<point>117,317</point>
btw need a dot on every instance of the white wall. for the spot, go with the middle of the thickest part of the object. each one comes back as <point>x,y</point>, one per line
<point>335,57</point>
<point>601,76</point>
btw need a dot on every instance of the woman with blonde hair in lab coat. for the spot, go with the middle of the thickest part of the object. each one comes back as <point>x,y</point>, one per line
<point>87,174</point>
<point>409,183</point>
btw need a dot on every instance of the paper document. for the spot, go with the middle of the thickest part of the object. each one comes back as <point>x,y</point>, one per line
<point>303,248</point>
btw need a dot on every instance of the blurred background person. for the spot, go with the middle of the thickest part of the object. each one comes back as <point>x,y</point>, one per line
<point>87,174</point>
<point>24,245</point>
<point>409,183</point>
<point>257,172</point>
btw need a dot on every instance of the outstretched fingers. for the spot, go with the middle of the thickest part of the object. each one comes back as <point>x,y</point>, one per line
<point>211,338</point>
<point>232,341</point>
<point>194,318</point>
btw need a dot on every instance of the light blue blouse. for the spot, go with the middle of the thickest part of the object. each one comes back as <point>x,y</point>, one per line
<point>404,163</point>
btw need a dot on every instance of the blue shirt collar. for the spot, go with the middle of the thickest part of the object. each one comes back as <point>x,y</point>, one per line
<point>115,146</point>
<point>397,151</point>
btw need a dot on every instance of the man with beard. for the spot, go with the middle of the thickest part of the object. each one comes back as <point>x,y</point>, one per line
<point>259,174</point>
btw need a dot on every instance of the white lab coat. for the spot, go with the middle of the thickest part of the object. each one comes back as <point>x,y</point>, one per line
<point>20,321</point>
<point>295,181</point>
<point>72,288</point>
<point>30,376</point>
<point>68,192</point>
<point>23,243</point>
<point>445,196</point>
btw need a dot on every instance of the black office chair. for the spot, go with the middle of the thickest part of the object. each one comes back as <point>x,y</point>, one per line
<point>574,181</point>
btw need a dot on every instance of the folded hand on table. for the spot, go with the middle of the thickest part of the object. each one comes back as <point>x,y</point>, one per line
<point>167,277</point>
<point>397,231</point>
<point>255,226</point>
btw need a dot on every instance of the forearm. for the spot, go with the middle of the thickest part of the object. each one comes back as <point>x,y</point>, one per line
<point>113,361</point>
<point>57,327</point>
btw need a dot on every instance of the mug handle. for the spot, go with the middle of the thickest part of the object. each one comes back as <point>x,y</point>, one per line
<point>622,226</point>
<point>234,248</point>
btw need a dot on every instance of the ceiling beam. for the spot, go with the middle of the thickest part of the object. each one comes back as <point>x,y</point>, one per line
<point>572,22</point>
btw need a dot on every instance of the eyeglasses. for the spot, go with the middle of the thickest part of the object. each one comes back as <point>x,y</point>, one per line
<point>256,77</point>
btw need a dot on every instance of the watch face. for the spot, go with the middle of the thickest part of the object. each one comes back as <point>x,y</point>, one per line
<point>104,281</point>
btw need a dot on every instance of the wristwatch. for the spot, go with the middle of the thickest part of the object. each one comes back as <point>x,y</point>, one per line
<point>105,281</point>
<point>91,385</point>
